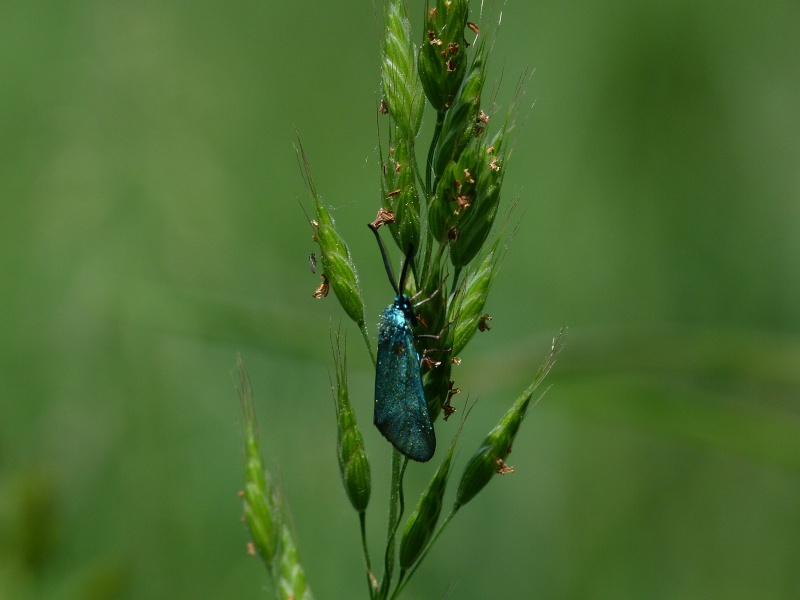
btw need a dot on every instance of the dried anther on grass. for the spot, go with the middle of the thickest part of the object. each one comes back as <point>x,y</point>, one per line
<point>322,289</point>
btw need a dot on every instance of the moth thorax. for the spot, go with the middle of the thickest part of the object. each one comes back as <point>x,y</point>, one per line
<point>404,304</point>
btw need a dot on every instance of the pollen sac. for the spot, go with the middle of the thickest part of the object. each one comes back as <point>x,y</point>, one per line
<point>322,289</point>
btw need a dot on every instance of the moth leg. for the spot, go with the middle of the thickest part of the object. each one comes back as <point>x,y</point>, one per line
<point>432,296</point>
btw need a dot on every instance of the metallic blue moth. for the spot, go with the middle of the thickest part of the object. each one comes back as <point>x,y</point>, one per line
<point>401,411</point>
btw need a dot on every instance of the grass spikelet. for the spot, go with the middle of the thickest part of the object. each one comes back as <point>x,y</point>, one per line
<point>468,312</point>
<point>400,195</point>
<point>292,583</point>
<point>443,56</point>
<point>421,524</point>
<point>474,223</point>
<point>404,99</point>
<point>337,266</point>
<point>257,499</point>
<point>401,86</point>
<point>461,123</point>
<point>353,464</point>
<point>264,514</point>
<point>490,457</point>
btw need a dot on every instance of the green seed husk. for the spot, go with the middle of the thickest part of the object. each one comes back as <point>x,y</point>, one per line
<point>402,89</point>
<point>353,464</point>
<point>405,100</point>
<point>400,196</point>
<point>466,313</point>
<point>258,502</point>
<point>467,197</point>
<point>461,120</point>
<point>443,56</point>
<point>292,583</point>
<point>422,522</point>
<point>475,222</point>
<point>491,455</point>
<point>441,211</point>
<point>338,266</point>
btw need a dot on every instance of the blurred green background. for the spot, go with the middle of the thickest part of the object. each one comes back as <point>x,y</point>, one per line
<point>151,229</point>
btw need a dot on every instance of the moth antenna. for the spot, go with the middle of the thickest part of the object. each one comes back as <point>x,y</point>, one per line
<point>409,257</point>
<point>386,262</point>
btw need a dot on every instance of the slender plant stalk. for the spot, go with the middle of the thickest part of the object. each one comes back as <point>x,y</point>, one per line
<point>365,334</point>
<point>394,518</point>
<point>362,520</point>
